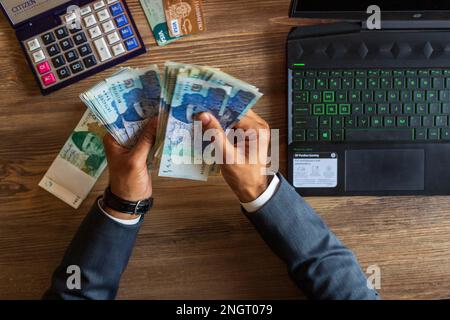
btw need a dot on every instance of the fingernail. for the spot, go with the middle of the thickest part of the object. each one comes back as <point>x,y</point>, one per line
<point>205,118</point>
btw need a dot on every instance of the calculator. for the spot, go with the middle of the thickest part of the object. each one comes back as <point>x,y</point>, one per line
<point>66,41</point>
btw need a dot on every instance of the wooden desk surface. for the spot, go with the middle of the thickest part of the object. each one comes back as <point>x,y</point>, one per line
<point>196,244</point>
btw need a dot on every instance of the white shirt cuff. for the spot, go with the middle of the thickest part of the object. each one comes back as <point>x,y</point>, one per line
<point>122,221</point>
<point>257,204</point>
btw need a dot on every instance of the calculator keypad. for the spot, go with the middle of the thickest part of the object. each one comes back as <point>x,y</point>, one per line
<point>118,49</point>
<point>99,5</point>
<point>61,53</point>
<point>108,26</point>
<point>33,44</point>
<point>53,50</point>
<point>113,38</point>
<point>71,55</point>
<point>90,61</point>
<point>79,38</point>
<point>48,38</point>
<point>102,49</point>
<point>61,32</point>
<point>66,44</point>
<point>38,56</point>
<point>49,79</point>
<point>95,32</point>
<point>103,15</point>
<point>58,61</point>
<point>76,67</point>
<point>44,67</point>
<point>63,73</point>
<point>84,50</point>
<point>121,21</point>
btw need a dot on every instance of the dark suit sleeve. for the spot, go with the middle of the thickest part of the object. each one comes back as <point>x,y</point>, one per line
<point>101,248</point>
<point>321,266</point>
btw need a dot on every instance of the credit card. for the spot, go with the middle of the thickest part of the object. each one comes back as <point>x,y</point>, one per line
<point>154,11</point>
<point>184,17</point>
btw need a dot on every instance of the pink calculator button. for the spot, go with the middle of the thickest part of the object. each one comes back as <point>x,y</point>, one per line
<point>43,67</point>
<point>49,79</point>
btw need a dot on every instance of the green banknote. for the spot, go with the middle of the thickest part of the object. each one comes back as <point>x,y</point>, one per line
<point>79,164</point>
<point>154,11</point>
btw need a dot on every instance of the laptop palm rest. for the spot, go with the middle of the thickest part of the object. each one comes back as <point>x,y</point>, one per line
<point>384,170</point>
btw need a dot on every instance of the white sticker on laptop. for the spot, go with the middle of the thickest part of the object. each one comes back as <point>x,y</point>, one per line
<point>315,170</point>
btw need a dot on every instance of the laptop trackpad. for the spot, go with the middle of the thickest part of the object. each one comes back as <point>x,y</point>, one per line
<point>384,170</point>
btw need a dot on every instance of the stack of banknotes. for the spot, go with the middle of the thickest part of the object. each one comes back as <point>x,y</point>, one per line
<point>79,164</point>
<point>188,90</point>
<point>125,102</point>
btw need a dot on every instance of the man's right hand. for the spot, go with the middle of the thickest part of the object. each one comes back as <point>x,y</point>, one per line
<point>248,181</point>
<point>128,171</point>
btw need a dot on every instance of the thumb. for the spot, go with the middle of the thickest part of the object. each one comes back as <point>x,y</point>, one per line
<point>209,122</point>
<point>145,142</point>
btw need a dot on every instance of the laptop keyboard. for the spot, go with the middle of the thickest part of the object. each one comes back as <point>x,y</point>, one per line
<point>371,105</point>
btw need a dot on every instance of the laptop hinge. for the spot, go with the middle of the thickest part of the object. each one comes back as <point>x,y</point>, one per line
<point>409,24</point>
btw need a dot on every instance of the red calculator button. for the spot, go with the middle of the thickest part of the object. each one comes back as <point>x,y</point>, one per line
<point>49,79</point>
<point>43,67</point>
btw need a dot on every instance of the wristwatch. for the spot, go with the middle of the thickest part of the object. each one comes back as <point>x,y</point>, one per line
<point>116,203</point>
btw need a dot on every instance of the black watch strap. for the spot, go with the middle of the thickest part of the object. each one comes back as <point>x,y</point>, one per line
<point>114,202</point>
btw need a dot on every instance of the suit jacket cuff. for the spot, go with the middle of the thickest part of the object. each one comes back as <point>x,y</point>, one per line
<point>122,221</point>
<point>257,204</point>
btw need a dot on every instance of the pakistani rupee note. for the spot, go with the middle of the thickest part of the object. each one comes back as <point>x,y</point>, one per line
<point>100,101</point>
<point>136,94</point>
<point>79,164</point>
<point>191,96</point>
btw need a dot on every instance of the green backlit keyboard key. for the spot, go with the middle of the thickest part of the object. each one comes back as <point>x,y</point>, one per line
<point>344,109</point>
<point>318,109</point>
<point>328,96</point>
<point>331,109</point>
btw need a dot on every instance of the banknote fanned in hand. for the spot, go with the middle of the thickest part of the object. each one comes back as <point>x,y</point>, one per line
<point>188,90</point>
<point>126,101</point>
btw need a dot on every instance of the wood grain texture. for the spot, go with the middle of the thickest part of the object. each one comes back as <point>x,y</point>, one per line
<point>196,244</point>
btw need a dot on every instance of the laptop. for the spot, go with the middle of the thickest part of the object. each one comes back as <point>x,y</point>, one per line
<point>369,109</point>
<point>65,41</point>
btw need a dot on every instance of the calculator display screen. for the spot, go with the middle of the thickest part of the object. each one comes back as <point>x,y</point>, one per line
<point>22,10</point>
